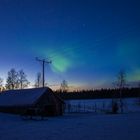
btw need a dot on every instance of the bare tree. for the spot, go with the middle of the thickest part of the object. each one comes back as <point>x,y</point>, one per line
<point>38,82</point>
<point>12,79</point>
<point>1,84</point>
<point>22,79</point>
<point>64,86</point>
<point>121,82</point>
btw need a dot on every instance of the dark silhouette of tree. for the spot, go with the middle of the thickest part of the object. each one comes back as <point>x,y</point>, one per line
<point>38,82</point>
<point>100,94</point>
<point>1,84</point>
<point>12,79</point>
<point>64,86</point>
<point>121,83</point>
<point>22,80</point>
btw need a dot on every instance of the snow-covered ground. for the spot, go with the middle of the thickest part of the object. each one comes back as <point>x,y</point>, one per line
<point>98,105</point>
<point>85,126</point>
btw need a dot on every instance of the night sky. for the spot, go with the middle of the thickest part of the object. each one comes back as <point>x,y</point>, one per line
<point>88,41</point>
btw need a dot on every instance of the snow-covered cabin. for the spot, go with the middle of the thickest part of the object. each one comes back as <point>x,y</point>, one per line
<point>18,101</point>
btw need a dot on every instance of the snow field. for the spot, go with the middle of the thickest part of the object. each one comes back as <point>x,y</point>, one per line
<point>88,126</point>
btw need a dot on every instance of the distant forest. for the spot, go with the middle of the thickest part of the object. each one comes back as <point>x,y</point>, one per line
<point>96,94</point>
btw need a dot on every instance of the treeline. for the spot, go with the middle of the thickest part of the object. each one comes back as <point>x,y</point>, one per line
<point>103,93</point>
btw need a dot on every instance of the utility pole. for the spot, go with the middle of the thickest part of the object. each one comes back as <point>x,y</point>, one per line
<point>43,61</point>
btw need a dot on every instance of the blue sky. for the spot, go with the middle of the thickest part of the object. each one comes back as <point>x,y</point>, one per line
<point>88,41</point>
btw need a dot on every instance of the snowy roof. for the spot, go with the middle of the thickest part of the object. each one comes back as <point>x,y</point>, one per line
<point>21,97</point>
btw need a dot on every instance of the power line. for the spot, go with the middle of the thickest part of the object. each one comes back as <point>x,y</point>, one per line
<point>43,61</point>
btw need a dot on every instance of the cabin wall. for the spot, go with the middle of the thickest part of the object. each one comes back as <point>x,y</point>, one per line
<point>13,109</point>
<point>52,106</point>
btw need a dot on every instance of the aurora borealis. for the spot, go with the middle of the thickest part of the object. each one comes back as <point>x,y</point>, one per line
<point>88,41</point>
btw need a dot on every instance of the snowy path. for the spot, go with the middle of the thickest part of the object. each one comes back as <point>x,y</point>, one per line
<point>72,127</point>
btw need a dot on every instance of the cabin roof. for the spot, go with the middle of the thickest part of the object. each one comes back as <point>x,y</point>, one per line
<point>22,97</point>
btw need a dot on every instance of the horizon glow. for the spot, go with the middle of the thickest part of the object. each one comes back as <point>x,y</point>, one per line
<point>89,42</point>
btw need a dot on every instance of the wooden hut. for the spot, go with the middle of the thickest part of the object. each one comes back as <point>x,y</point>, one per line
<point>43,99</point>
